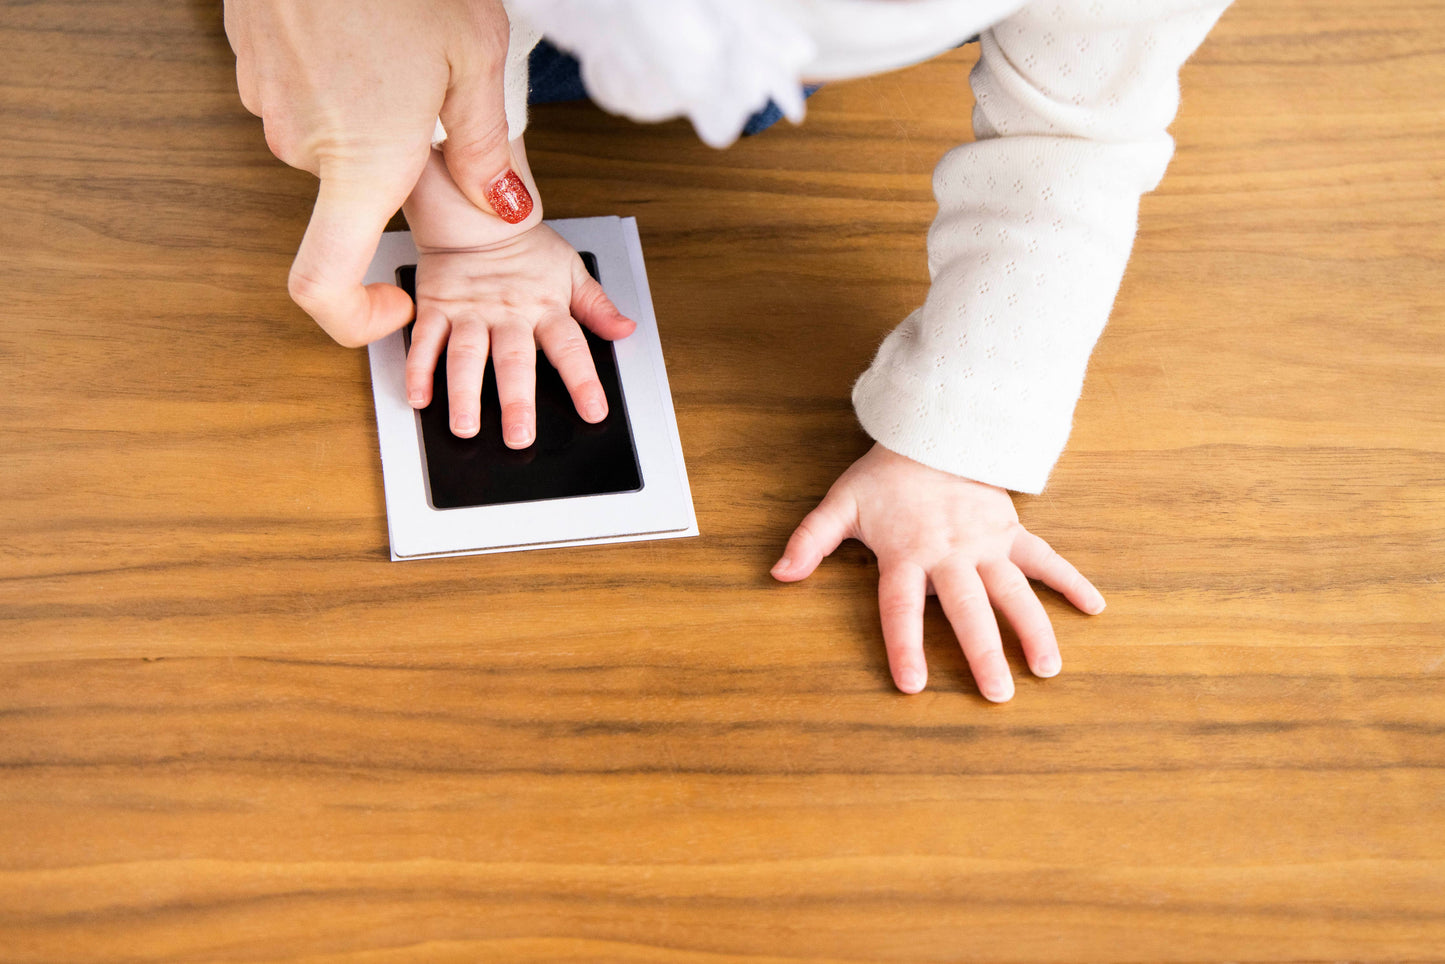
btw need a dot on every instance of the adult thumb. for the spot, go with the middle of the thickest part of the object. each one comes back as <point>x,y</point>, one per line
<point>477,151</point>
<point>331,263</point>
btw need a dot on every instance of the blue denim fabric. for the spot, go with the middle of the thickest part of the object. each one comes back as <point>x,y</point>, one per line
<point>554,76</point>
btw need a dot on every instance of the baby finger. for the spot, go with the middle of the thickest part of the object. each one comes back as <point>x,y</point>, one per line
<point>1010,592</point>
<point>466,365</point>
<point>566,347</point>
<point>514,356</point>
<point>965,603</point>
<point>428,338</point>
<point>1038,560</point>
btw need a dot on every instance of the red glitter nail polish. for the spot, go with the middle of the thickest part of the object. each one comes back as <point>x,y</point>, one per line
<point>510,198</point>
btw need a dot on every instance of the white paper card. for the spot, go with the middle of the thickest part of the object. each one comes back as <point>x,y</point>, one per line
<point>661,509</point>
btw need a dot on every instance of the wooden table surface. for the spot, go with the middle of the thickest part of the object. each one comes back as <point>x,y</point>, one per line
<point>232,730</point>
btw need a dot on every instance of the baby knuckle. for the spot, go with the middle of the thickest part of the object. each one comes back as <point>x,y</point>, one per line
<point>515,356</point>
<point>467,351</point>
<point>570,347</point>
<point>592,299</point>
<point>810,530</point>
<point>971,600</point>
<point>897,607</point>
<point>1014,533</point>
<point>1010,585</point>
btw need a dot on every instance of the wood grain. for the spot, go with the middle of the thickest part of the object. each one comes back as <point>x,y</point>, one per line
<point>231,730</point>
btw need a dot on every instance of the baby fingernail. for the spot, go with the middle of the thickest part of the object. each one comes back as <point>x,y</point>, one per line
<point>519,435</point>
<point>510,198</point>
<point>783,565</point>
<point>594,412</point>
<point>999,691</point>
<point>1048,666</point>
<point>465,423</point>
<point>910,680</point>
<point>416,398</point>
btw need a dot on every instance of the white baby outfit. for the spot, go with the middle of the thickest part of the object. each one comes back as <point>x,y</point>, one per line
<point>1036,217</point>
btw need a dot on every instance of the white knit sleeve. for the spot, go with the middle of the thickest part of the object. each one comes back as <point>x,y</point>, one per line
<point>1034,226</point>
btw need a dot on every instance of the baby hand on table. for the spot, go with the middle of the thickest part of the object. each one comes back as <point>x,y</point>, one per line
<point>485,287</point>
<point>938,533</point>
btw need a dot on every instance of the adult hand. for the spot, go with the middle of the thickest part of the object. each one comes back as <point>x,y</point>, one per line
<point>936,532</point>
<point>350,90</point>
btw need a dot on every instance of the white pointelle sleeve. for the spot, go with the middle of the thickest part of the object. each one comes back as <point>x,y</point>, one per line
<point>1035,221</point>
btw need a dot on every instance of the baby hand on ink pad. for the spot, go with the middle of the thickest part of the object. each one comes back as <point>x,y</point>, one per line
<point>488,288</point>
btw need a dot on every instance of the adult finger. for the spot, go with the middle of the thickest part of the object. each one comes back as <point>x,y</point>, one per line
<point>1010,593</point>
<point>236,23</point>
<point>591,306</point>
<point>428,338</point>
<point>566,348</point>
<point>820,532</point>
<point>1038,560</point>
<point>965,603</point>
<point>326,277</point>
<point>246,86</point>
<point>466,366</point>
<point>477,149</point>
<point>901,588</point>
<point>239,34</point>
<point>514,357</point>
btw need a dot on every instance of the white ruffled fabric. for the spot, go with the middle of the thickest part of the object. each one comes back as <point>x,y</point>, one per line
<point>1035,217</point>
<point>715,62</point>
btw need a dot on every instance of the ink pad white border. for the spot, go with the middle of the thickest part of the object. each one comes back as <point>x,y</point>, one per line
<point>661,509</point>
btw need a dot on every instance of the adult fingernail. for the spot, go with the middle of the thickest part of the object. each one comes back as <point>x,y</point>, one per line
<point>465,423</point>
<point>910,680</point>
<point>509,197</point>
